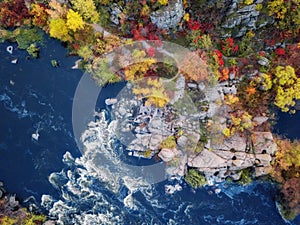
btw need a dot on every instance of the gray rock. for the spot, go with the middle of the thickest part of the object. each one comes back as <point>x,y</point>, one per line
<point>122,111</point>
<point>263,61</point>
<point>263,143</point>
<point>248,8</point>
<point>261,171</point>
<point>12,202</point>
<point>263,159</point>
<point>167,154</point>
<point>10,49</point>
<point>155,141</point>
<point>232,8</point>
<point>182,166</point>
<point>236,175</point>
<point>14,61</point>
<point>179,93</point>
<point>259,120</point>
<point>49,222</point>
<point>115,13</point>
<point>206,159</point>
<point>230,90</point>
<point>169,16</point>
<point>111,101</point>
<point>182,141</point>
<point>192,85</point>
<point>201,86</point>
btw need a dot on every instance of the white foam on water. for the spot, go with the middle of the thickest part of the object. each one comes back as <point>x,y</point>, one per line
<point>88,182</point>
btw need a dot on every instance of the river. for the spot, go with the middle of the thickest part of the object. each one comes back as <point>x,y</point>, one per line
<point>36,98</point>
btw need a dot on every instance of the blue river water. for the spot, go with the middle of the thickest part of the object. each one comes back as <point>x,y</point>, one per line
<point>37,98</point>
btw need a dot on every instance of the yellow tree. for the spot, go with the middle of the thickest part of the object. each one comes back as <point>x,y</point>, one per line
<point>87,9</point>
<point>287,87</point>
<point>153,90</point>
<point>74,21</point>
<point>59,29</point>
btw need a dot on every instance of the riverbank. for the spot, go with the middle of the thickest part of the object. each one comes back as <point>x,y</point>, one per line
<point>12,212</point>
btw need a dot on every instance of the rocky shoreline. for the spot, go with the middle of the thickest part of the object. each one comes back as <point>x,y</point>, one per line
<point>145,131</point>
<point>12,212</point>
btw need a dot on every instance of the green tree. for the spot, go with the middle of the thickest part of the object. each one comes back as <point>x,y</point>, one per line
<point>74,21</point>
<point>194,178</point>
<point>87,9</point>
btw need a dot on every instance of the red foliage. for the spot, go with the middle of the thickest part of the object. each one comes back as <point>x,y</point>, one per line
<point>262,53</point>
<point>280,51</point>
<point>220,55</point>
<point>194,25</point>
<point>147,32</point>
<point>13,13</point>
<point>151,51</point>
<point>235,48</point>
<point>228,46</point>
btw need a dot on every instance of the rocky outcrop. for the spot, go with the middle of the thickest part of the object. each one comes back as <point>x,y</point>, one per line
<point>235,154</point>
<point>169,16</point>
<point>240,18</point>
<point>142,129</point>
<point>167,154</point>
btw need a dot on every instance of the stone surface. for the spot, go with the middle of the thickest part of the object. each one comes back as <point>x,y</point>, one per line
<point>263,61</point>
<point>206,159</point>
<point>169,16</point>
<point>110,101</point>
<point>167,154</point>
<point>261,171</point>
<point>259,120</point>
<point>182,141</point>
<point>263,143</point>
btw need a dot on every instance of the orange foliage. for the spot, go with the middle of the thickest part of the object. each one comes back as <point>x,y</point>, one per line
<point>250,90</point>
<point>194,68</point>
<point>224,74</point>
<point>40,16</point>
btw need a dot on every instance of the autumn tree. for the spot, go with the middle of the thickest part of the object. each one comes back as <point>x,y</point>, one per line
<point>40,15</point>
<point>74,21</point>
<point>153,90</point>
<point>13,13</point>
<point>57,10</point>
<point>136,65</point>
<point>87,9</point>
<point>59,29</point>
<point>193,67</point>
<point>287,86</point>
<point>286,171</point>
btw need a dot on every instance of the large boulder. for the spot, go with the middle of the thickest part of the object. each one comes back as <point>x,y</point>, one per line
<point>207,159</point>
<point>167,154</point>
<point>263,143</point>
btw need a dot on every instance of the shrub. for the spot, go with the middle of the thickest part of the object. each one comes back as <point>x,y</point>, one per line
<point>169,142</point>
<point>194,178</point>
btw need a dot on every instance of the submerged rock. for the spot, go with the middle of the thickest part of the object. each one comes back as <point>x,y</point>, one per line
<point>110,101</point>
<point>10,49</point>
<point>35,136</point>
<point>14,61</point>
